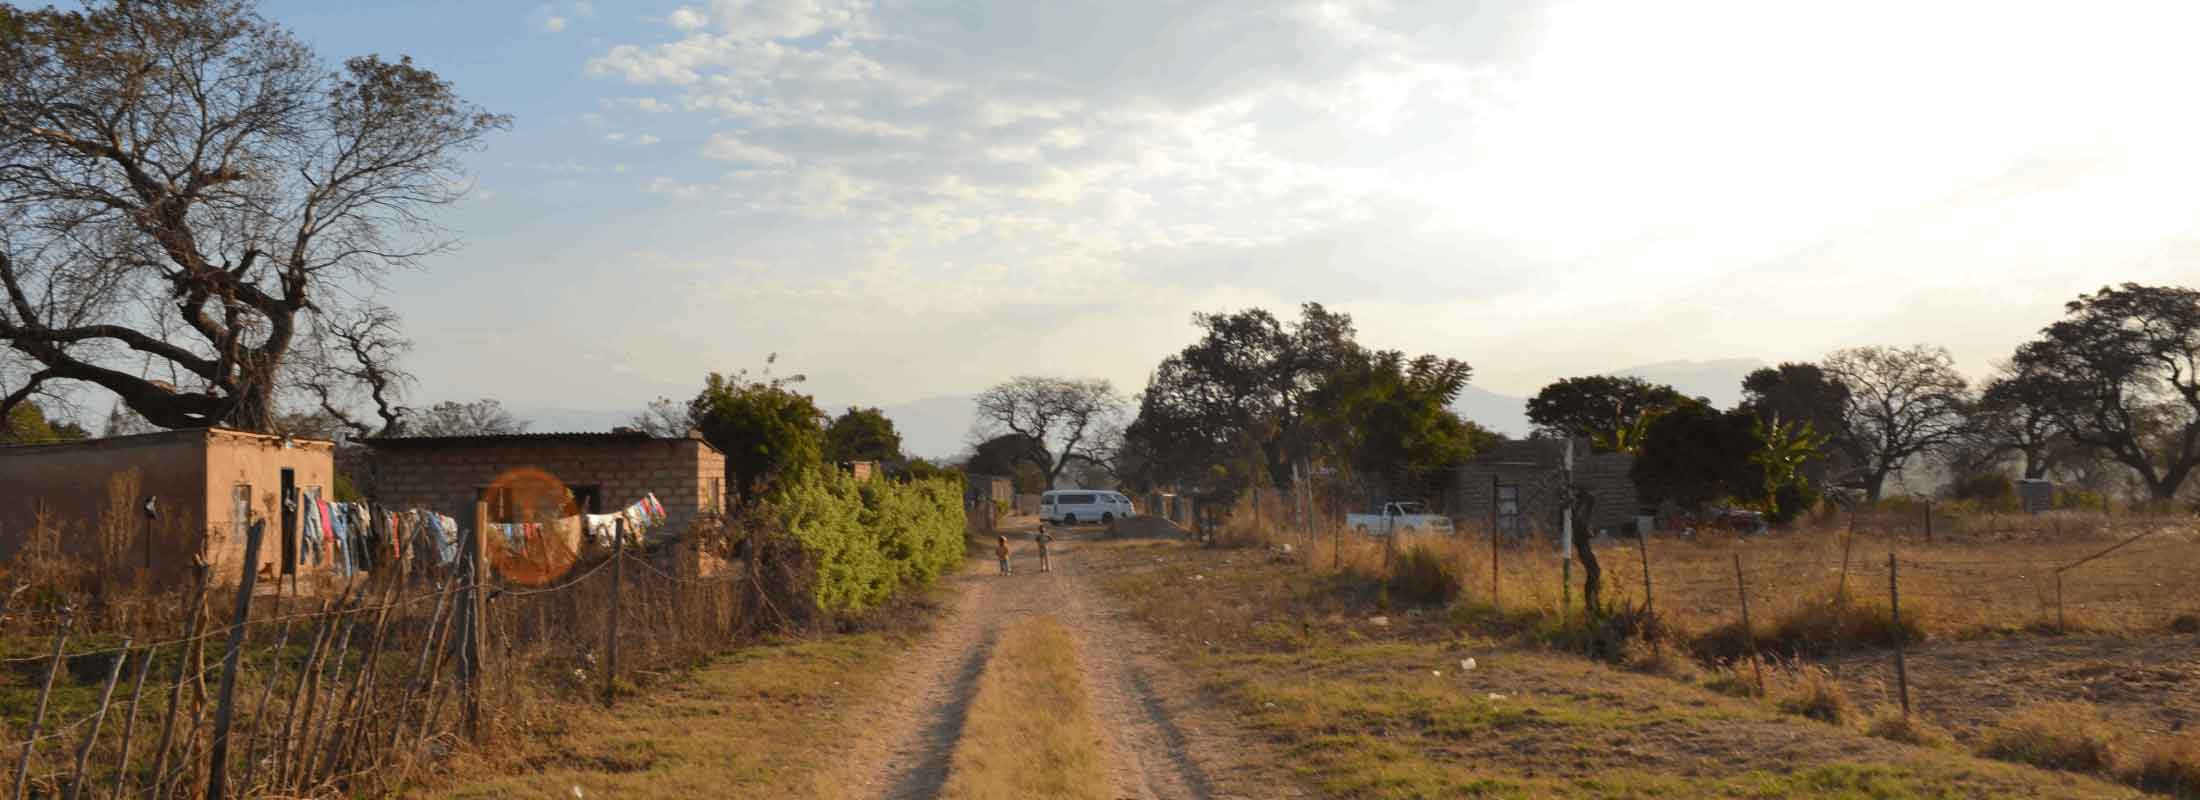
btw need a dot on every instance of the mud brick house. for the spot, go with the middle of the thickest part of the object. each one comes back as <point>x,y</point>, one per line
<point>1519,487</point>
<point>205,485</point>
<point>603,471</point>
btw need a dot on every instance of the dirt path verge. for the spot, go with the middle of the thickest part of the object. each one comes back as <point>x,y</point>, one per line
<point>1160,738</point>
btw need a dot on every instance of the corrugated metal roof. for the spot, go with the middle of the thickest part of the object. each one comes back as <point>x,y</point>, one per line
<point>564,437</point>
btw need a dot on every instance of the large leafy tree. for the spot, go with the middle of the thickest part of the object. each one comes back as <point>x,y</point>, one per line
<point>1801,394</point>
<point>862,434</point>
<point>1389,418</point>
<point>1612,412</point>
<point>2121,373</point>
<point>1228,411</point>
<point>1694,455</point>
<point>1903,402</point>
<point>1012,455</point>
<point>2016,415</point>
<point>770,433</point>
<point>185,187</point>
<point>1077,421</point>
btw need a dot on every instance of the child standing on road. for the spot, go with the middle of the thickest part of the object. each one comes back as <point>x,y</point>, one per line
<point>1004,555</point>
<point>1043,539</point>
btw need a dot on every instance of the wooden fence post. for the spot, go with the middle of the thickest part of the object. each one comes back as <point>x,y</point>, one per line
<point>129,726</point>
<point>611,625</point>
<point>197,609</point>
<point>1894,606</point>
<point>106,695</point>
<point>2062,623</point>
<point>1848,540</point>
<point>217,778</point>
<point>1649,601</point>
<point>45,692</point>
<point>476,603</point>
<point>1495,605</point>
<point>1642,543</point>
<point>1749,632</point>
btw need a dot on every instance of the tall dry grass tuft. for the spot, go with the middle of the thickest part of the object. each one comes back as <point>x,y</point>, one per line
<point>1910,729</point>
<point>2067,736</point>
<point>1810,691</point>
<point>2167,766</point>
<point>1422,575</point>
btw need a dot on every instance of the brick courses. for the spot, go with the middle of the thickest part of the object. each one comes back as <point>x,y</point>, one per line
<point>448,474</point>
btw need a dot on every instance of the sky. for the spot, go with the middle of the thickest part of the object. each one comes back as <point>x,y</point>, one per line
<point>907,200</point>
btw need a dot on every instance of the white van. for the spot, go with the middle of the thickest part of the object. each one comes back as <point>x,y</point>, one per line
<point>1072,506</point>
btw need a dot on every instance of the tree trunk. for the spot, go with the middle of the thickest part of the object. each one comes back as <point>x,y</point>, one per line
<point>252,406</point>
<point>1592,574</point>
<point>1874,484</point>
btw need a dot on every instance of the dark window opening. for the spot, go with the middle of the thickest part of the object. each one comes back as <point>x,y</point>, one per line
<point>289,510</point>
<point>586,500</point>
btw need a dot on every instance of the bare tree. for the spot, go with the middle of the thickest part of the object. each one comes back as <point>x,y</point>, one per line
<point>352,359</point>
<point>483,417</point>
<point>664,418</point>
<point>1076,420</point>
<point>180,180</point>
<point>1903,402</point>
<point>2120,374</point>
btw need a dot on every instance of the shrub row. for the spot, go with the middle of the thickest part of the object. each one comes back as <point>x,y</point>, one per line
<point>867,540</point>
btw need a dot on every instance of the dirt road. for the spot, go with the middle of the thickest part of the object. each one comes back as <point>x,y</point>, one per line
<point>1160,739</point>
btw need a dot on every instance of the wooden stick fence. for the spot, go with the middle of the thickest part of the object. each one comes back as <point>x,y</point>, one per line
<point>348,688</point>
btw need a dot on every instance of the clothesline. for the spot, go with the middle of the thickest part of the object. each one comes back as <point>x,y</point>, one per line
<point>343,536</point>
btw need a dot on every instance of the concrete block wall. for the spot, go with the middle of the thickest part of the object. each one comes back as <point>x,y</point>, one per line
<point>1536,466</point>
<point>686,475</point>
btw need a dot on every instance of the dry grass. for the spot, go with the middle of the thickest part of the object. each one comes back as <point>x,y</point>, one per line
<point>2167,766</point>
<point>759,722</point>
<point>1816,590</point>
<point>1030,730</point>
<point>1811,692</point>
<point>2066,736</point>
<point>1894,726</point>
<point>1374,701</point>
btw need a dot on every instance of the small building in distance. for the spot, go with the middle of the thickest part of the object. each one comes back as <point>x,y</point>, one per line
<point>990,489</point>
<point>205,486</point>
<point>604,472</point>
<point>1518,486</point>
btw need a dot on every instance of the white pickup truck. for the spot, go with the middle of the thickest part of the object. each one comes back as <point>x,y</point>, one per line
<point>1406,518</point>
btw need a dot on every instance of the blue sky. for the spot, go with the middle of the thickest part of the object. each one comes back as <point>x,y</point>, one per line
<point>915,199</point>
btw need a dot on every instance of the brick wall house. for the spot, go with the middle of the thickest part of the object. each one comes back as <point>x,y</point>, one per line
<point>207,485</point>
<point>1522,483</point>
<point>603,471</point>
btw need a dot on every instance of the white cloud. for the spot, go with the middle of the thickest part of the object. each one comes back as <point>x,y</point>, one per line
<point>688,18</point>
<point>645,140</point>
<point>727,147</point>
<point>1476,184</point>
<point>553,24</point>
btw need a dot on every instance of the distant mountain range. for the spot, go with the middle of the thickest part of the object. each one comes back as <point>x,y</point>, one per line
<point>939,427</point>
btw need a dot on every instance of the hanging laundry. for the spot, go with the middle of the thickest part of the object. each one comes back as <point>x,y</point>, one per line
<point>328,530</point>
<point>603,529</point>
<point>450,534</point>
<point>309,528</point>
<point>340,534</point>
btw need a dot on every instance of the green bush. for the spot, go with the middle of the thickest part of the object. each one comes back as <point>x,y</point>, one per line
<point>868,540</point>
